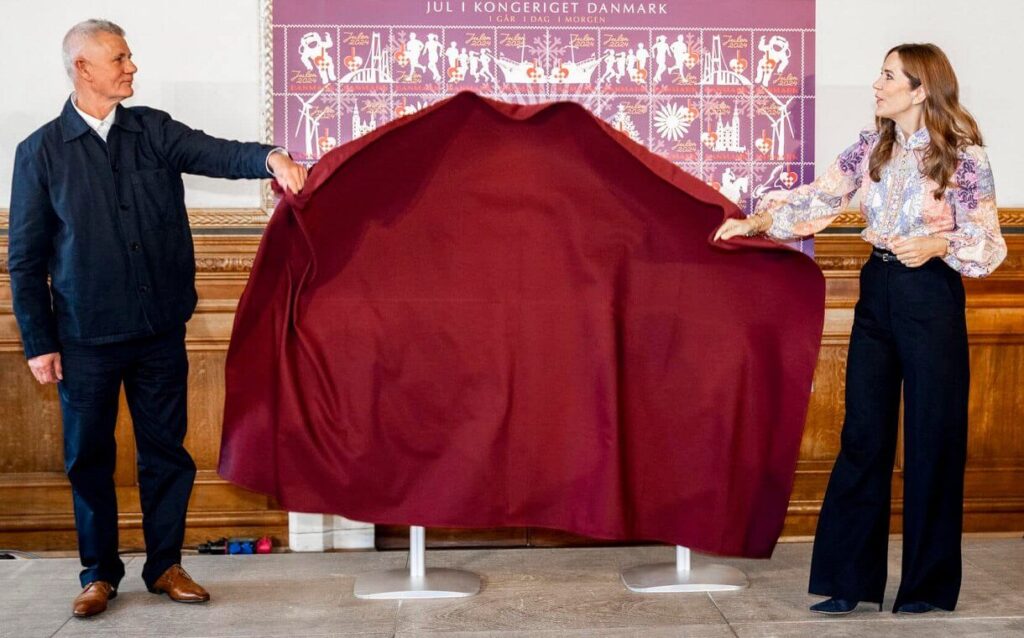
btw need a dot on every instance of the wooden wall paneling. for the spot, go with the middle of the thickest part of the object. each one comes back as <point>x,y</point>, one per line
<point>30,426</point>
<point>35,501</point>
<point>35,498</point>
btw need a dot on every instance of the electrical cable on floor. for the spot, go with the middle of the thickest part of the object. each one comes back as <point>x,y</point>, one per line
<point>15,553</point>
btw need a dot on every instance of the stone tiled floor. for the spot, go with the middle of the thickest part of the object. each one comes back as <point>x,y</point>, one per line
<point>536,592</point>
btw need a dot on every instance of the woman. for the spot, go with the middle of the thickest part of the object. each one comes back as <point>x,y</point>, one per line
<point>929,201</point>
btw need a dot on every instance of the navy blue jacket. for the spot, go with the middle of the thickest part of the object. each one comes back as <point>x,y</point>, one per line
<point>107,223</point>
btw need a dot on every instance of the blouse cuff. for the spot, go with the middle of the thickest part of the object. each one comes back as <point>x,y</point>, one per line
<point>779,228</point>
<point>973,257</point>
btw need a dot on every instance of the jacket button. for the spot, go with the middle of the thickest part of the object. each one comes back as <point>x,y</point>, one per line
<point>135,246</point>
<point>124,206</point>
<point>143,288</point>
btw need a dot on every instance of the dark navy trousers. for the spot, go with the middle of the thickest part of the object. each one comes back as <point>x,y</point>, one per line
<point>154,371</point>
<point>909,334</point>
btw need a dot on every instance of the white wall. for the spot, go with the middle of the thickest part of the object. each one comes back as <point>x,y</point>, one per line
<point>981,38</point>
<point>199,60</point>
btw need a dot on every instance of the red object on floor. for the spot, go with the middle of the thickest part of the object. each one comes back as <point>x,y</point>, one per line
<point>487,314</point>
<point>264,545</point>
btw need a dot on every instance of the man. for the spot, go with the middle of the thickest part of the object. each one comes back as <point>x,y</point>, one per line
<point>433,48</point>
<point>413,51</point>
<point>97,205</point>
<point>660,49</point>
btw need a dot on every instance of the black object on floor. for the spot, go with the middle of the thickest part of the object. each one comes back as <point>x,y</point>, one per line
<point>834,607</point>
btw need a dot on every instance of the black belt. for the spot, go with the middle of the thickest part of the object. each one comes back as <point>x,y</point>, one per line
<point>884,255</point>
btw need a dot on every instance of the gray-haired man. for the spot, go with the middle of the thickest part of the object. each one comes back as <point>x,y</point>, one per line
<point>103,281</point>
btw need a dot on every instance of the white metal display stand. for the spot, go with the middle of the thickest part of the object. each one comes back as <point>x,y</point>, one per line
<point>666,578</point>
<point>417,581</point>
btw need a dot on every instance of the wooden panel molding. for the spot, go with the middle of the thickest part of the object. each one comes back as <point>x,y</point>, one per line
<point>245,219</point>
<point>215,219</point>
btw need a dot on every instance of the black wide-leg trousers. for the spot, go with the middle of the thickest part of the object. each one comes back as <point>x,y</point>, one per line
<point>909,333</point>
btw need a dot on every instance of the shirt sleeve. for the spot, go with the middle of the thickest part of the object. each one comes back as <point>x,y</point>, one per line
<point>808,209</point>
<point>276,149</point>
<point>30,232</point>
<point>976,245</point>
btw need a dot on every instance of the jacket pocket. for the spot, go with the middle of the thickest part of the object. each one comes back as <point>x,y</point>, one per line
<point>155,203</point>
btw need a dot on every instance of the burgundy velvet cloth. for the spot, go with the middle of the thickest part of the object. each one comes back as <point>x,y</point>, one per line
<point>488,314</point>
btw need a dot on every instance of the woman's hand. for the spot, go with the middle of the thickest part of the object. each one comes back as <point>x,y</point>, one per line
<point>752,225</point>
<point>733,228</point>
<point>916,251</point>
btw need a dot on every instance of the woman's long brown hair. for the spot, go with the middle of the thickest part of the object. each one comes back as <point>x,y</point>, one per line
<point>949,125</point>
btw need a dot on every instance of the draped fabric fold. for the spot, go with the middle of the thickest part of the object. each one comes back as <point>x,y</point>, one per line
<point>487,314</point>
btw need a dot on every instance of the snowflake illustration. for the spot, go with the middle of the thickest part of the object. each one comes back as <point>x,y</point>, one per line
<point>547,51</point>
<point>743,170</point>
<point>744,105</point>
<point>397,40</point>
<point>659,147</point>
<point>598,104</point>
<point>670,122</point>
<point>693,43</point>
<point>693,168</point>
<point>348,102</point>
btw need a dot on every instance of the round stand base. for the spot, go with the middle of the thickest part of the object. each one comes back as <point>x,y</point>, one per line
<point>398,584</point>
<point>666,578</point>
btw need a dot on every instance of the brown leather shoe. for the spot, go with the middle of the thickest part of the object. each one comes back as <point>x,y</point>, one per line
<point>93,599</point>
<point>179,586</point>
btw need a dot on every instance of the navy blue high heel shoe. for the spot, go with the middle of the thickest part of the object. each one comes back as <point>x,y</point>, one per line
<point>915,608</point>
<point>834,606</point>
<point>837,606</point>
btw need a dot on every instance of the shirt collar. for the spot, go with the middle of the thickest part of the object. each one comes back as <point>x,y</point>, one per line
<point>94,123</point>
<point>101,126</point>
<point>74,122</point>
<point>918,140</point>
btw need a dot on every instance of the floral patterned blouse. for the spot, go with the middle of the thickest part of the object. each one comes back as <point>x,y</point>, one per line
<point>901,204</point>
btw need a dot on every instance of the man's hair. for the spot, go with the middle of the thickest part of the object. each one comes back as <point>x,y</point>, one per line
<point>81,33</point>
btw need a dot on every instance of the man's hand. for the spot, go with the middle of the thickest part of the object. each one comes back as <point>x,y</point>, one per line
<point>291,176</point>
<point>46,368</point>
<point>915,251</point>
